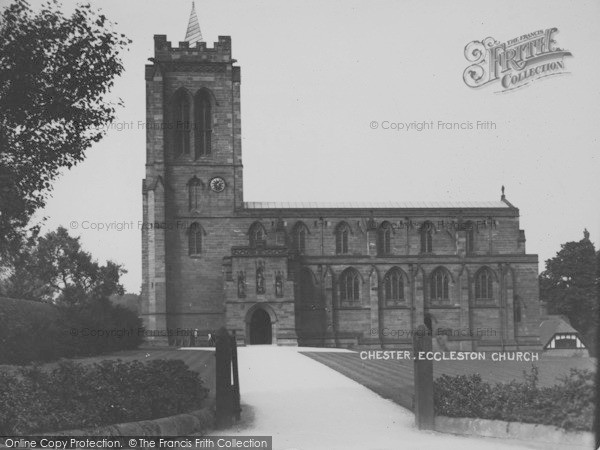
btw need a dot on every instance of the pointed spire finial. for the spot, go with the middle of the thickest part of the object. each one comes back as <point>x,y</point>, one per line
<point>193,33</point>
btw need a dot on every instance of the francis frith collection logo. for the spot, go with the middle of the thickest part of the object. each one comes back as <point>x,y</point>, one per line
<point>516,62</point>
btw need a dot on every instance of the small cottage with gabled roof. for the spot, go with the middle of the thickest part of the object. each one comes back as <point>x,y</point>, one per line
<point>559,338</point>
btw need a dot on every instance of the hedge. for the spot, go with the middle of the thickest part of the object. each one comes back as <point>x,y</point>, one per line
<point>28,331</point>
<point>35,331</point>
<point>120,327</point>
<point>75,396</point>
<point>568,404</point>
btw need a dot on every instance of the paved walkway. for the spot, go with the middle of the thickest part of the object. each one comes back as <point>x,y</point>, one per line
<point>305,405</point>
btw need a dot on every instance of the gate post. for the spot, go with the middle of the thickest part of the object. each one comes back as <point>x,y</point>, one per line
<point>223,392</point>
<point>423,377</point>
<point>237,408</point>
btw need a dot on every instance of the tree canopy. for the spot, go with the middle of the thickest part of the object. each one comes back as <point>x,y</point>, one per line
<point>570,283</point>
<point>55,74</point>
<point>54,268</point>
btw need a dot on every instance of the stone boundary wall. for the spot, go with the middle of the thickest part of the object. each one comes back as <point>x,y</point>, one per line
<point>555,438</point>
<point>199,421</point>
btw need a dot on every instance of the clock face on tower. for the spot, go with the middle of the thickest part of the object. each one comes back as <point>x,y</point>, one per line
<point>217,184</point>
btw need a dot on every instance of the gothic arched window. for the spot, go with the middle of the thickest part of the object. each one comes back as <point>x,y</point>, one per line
<point>194,192</point>
<point>181,123</point>
<point>393,285</point>
<point>484,284</point>
<point>299,236</point>
<point>384,238</point>
<point>258,235</point>
<point>350,285</point>
<point>341,238</point>
<point>203,124</point>
<point>440,280</point>
<point>426,237</point>
<point>470,238</point>
<point>195,239</point>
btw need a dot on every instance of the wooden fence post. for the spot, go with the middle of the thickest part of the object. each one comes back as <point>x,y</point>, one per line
<point>237,408</point>
<point>423,376</point>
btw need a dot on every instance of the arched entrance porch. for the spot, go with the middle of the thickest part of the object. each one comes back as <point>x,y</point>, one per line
<point>261,324</point>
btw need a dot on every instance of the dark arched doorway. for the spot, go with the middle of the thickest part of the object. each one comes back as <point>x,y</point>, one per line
<point>260,328</point>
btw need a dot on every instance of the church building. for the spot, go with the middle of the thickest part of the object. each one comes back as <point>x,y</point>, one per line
<point>316,274</point>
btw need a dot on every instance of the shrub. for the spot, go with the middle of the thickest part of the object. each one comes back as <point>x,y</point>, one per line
<point>575,396</point>
<point>35,331</point>
<point>74,395</point>
<point>118,325</point>
<point>469,395</point>
<point>568,404</point>
<point>29,331</point>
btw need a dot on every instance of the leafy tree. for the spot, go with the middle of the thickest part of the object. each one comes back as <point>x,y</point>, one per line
<point>55,268</point>
<point>570,286</point>
<point>128,300</point>
<point>55,74</point>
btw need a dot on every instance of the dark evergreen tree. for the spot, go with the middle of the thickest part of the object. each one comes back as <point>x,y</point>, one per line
<point>569,285</point>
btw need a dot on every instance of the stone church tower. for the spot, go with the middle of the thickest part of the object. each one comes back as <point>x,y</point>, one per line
<point>193,179</point>
<point>308,273</point>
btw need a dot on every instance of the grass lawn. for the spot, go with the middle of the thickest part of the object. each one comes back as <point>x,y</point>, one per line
<point>393,379</point>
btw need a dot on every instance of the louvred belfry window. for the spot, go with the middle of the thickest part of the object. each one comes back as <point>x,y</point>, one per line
<point>181,126</point>
<point>203,124</point>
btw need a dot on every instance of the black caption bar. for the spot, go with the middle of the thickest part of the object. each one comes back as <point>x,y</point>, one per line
<point>133,442</point>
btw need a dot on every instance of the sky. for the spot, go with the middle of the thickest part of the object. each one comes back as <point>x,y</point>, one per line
<point>317,76</point>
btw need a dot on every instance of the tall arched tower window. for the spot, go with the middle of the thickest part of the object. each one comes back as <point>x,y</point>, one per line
<point>203,124</point>
<point>426,237</point>
<point>195,239</point>
<point>439,285</point>
<point>194,192</point>
<point>350,285</point>
<point>181,123</point>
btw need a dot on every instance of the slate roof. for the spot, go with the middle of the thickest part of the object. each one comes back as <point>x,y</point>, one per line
<point>375,205</point>
<point>551,325</point>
